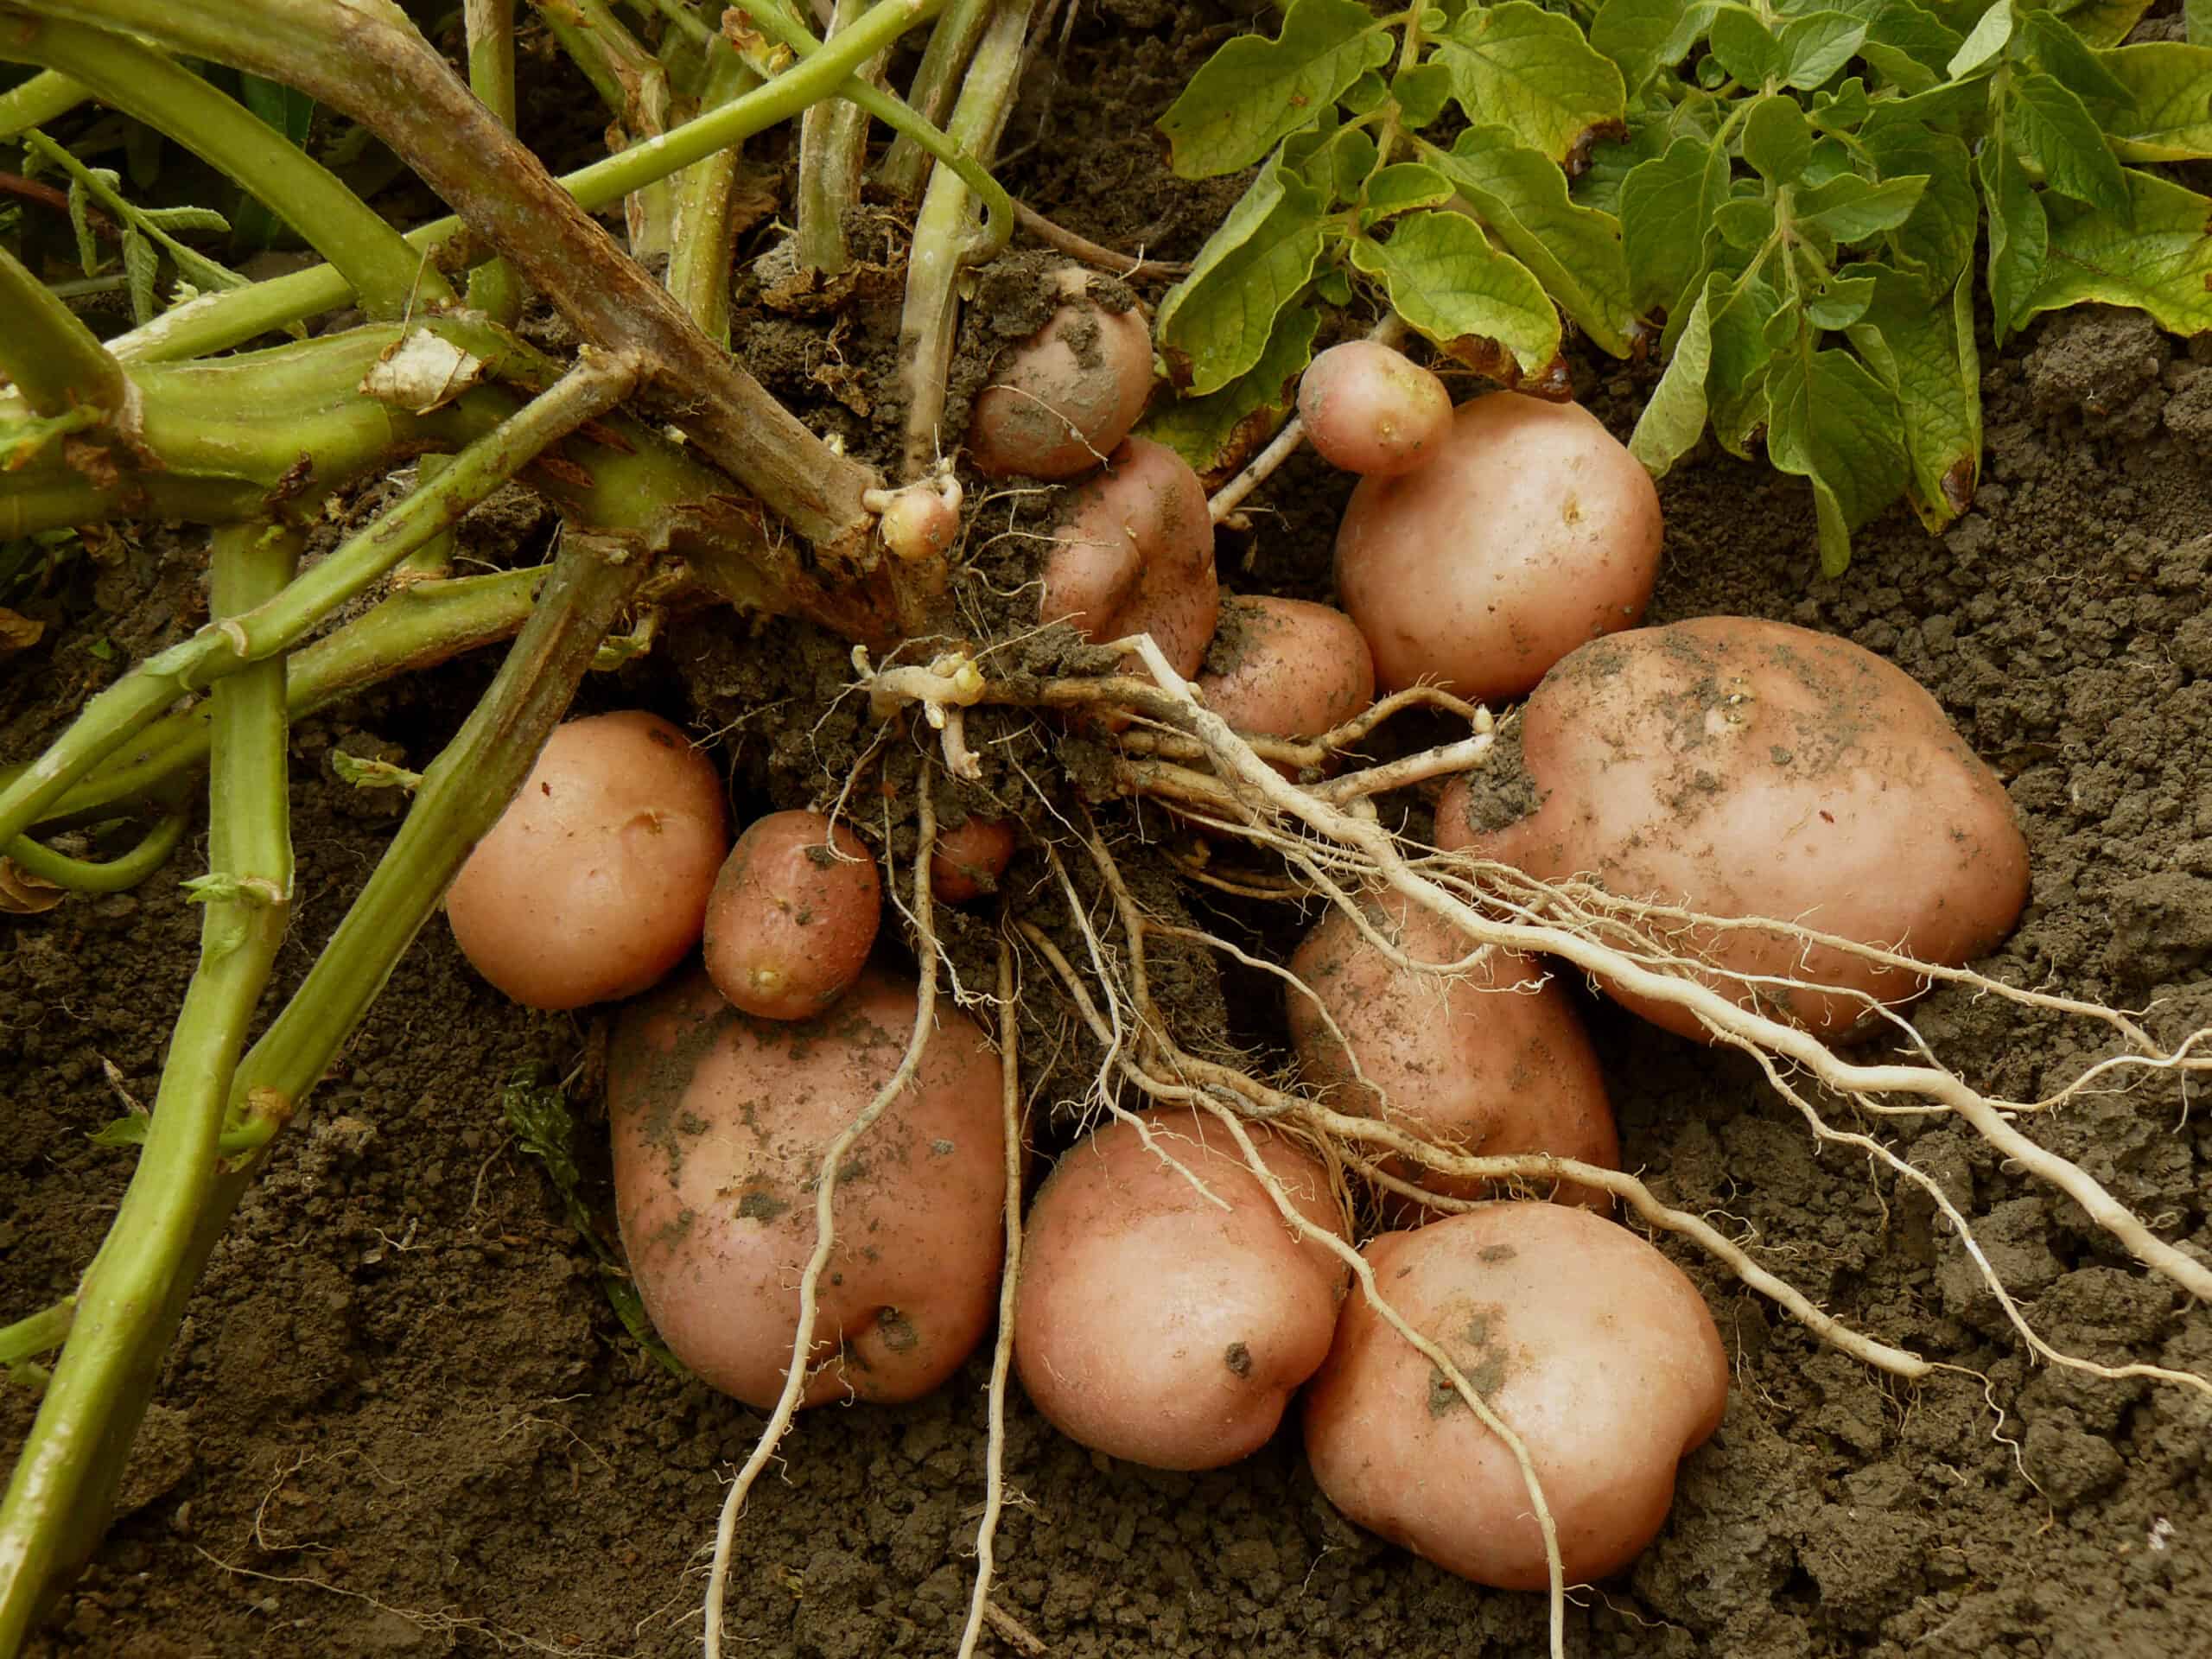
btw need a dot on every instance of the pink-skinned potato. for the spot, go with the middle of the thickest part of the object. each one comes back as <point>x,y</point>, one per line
<point>719,1123</point>
<point>1369,409</point>
<point>595,881</point>
<point>1066,396</point>
<point>1528,530</point>
<point>1585,1340</point>
<point>1286,667</point>
<point>969,858</point>
<point>1487,1062</point>
<point>1135,555</point>
<point>793,914</point>
<point>1153,1325</point>
<point>1740,768</point>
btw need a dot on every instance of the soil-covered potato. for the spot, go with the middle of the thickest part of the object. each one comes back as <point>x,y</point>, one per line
<point>969,858</point>
<point>1154,1324</point>
<point>1286,667</point>
<point>792,916</point>
<point>1135,555</point>
<point>594,883</point>
<point>1486,1062</point>
<point>1747,768</point>
<point>1585,1341</point>
<point>1528,531</point>
<point>1062,399</point>
<point>719,1122</point>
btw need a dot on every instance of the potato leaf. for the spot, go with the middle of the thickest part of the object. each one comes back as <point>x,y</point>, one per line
<point>1816,45</point>
<point>2020,234</point>
<point>1778,138</point>
<point>1939,233</point>
<point>1673,419</point>
<point>1849,209</point>
<point>1519,67</point>
<point>1735,386</point>
<point>1644,36</point>
<point>1255,93</point>
<point>2060,135</point>
<point>2165,113</point>
<point>1833,423</point>
<point>1920,345</point>
<point>1215,324</point>
<point>1984,43</point>
<point>2104,22</point>
<point>1482,307</point>
<point>1218,432</point>
<point>1401,188</point>
<point>1576,252</point>
<point>1662,203</point>
<point>2159,260</point>
<point>1745,47</point>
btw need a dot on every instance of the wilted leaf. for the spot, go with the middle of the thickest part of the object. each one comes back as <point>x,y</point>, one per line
<point>18,632</point>
<point>1217,433</point>
<point>1673,419</point>
<point>422,372</point>
<point>23,894</point>
<point>1920,344</point>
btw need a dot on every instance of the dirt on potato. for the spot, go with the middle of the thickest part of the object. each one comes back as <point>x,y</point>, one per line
<point>402,1418</point>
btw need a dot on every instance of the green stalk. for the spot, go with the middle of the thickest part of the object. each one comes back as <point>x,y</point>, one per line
<point>943,242</point>
<point>269,628</point>
<point>832,138</point>
<point>57,363</point>
<point>216,322</point>
<point>905,165</point>
<point>64,1481</point>
<point>43,98</point>
<point>46,1329</point>
<point>698,268</point>
<point>424,624</point>
<point>114,876</point>
<point>389,275</point>
<point>632,84</point>
<point>493,289</point>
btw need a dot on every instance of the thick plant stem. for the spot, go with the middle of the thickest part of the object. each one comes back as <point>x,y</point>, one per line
<point>905,165</point>
<point>365,60</point>
<point>941,240</point>
<point>388,275</point>
<point>493,289</point>
<point>41,99</point>
<point>832,136</point>
<point>57,363</point>
<point>698,268</point>
<point>65,1482</point>
<point>273,627</point>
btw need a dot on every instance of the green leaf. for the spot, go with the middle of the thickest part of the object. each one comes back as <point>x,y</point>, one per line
<point>1422,93</point>
<point>1899,69</point>
<point>2159,260</point>
<point>1777,138</point>
<point>1214,324</point>
<point>2063,55</point>
<point>1665,205</point>
<point>2058,132</point>
<point>2019,235</point>
<point>1404,186</point>
<point>1840,302</point>
<point>1940,233</point>
<point>1634,34</point>
<point>2164,112</point>
<point>141,263</point>
<point>1482,307</point>
<point>1735,386</point>
<point>1599,185</point>
<point>1984,43</point>
<point>81,220</point>
<point>1843,110</point>
<point>2196,20</point>
<point>1745,47</point>
<point>1849,209</point>
<point>1255,93</point>
<point>291,112</point>
<point>1832,423</point>
<point>1519,67</point>
<point>1217,433</point>
<point>1339,167</point>
<point>1365,94</point>
<point>1816,45</point>
<point>1673,419</point>
<point>1955,107</point>
<point>1745,223</point>
<point>1921,348</point>
<point>185,219</point>
<point>1575,252</point>
<point>2104,22</point>
<point>1902,26</point>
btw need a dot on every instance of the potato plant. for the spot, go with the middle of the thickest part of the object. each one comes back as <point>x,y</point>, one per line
<point>824,1128</point>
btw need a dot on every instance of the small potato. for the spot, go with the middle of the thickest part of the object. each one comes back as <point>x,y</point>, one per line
<point>969,858</point>
<point>719,1123</point>
<point>793,916</point>
<point>1587,1342</point>
<point>1135,555</point>
<point>1744,768</point>
<point>1529,531</point>
<point>1367,409</point>
<point>1153,1324</point>
<point>1286,668</point>
<point>594,883</point>
<point>1064,396</point>
<point>1488,1062</point>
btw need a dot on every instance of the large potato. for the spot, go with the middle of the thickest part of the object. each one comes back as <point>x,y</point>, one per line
<point>1286,667</point>
<point>1063,397</point>
<point>1528,530</point>
<point>1745,768</point>
<point>719,1122</point>
<point>1587,1343</point>
<point>594,883</point>
<point>1488,1062</point>
<point>1153,1325</point>
<point>1135,555</point>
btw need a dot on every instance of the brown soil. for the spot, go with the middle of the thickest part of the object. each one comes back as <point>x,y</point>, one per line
<point>402,1417</point>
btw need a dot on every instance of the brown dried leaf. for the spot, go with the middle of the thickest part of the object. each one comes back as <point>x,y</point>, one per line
<point>23,894</point>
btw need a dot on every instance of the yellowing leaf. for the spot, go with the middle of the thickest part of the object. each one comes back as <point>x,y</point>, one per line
<point>2161,262</point>
<point>1519,67</point>
<point>1481,306</point>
